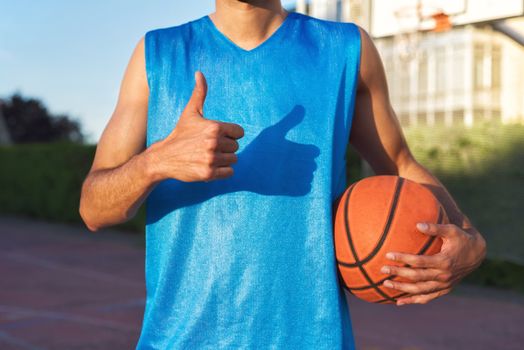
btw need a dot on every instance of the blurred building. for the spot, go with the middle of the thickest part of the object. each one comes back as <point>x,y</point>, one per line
<point>470,73</point>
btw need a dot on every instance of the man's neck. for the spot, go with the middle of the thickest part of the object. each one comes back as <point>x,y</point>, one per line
<point>248,23</point>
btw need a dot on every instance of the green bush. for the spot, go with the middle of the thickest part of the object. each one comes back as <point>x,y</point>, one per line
<point>500,274</point>
<point>43,181</point>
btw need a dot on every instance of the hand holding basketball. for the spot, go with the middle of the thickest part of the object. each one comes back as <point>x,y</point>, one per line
<point>198,149</point>
<point>384,254</point>
<point>377,215</point>
<point>435,275</point>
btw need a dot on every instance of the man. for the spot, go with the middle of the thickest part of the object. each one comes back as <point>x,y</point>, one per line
<point>239,250</point>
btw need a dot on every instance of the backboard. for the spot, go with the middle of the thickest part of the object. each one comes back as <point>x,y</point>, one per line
<point>392,17</point>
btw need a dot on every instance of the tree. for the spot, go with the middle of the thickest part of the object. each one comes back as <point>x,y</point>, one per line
<point>28,120</point>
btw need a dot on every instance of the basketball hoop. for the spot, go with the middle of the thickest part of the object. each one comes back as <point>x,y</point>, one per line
<point>406,40</point>
<point>414,20</point>
<point>442,22</point>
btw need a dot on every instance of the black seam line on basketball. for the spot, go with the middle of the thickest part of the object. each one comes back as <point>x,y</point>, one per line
<point>353,250</point>
<point>342,279</point>
<point>384,233</point>
<point>424,248</point>
<point>395,297</point>
<point>350,241</point>
<point>430,241</point>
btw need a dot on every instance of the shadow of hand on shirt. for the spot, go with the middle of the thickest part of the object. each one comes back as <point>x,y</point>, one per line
<point>269,165</point>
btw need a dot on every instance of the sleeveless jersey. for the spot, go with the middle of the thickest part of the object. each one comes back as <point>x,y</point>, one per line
<point>248,262</point>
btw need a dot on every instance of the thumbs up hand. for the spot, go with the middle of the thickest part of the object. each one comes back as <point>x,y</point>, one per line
<point>198,149</point>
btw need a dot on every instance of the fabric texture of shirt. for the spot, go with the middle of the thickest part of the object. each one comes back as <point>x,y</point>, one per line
<point>248,262</point>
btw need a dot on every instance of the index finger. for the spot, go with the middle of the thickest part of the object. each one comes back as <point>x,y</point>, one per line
<point>232,130</point>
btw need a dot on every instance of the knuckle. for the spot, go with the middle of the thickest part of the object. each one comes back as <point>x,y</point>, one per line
<point>434,287</point>
<point>209,157</point>
<point>213,128</point>
<point>417,261</point>
<point>427,261</point>
<point>211,143</point>
<point>225,172</point>
<point>236,146</point>
<point>415,290</point>
<point>207,173</point>
<point>409,273</point>
<point>432,228</point>
<point>446,263</point>
<point>393,270</point>
<point>447,285</point>
<point>422,300</point>
<point>455,230</point>
<point>443,277</point>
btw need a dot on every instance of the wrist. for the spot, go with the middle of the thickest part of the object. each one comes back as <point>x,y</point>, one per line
<point>150,165</point>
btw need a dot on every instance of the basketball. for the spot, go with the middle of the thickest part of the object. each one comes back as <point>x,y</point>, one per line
<point>377,215</point>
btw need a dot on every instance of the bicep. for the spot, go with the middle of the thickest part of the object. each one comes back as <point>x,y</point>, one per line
<point>125,134</point>
<point>376,133</point>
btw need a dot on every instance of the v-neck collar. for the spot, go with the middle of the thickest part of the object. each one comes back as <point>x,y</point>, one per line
<point>273,37</point>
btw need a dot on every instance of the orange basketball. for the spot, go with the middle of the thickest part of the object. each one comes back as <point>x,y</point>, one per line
<point>377,215</point>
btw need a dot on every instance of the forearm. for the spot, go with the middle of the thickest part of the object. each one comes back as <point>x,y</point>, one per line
<point>112,196</point>
<point>414,171</point>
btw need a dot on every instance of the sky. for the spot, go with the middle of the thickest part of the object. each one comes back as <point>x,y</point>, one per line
<point>72,55</point>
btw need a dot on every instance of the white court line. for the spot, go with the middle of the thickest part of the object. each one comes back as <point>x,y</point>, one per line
<point>23,258</point>
<point>64,316</point>
<point>18,342</point>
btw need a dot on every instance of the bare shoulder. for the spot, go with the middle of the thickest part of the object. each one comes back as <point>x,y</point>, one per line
<point>376,133</point>
<point>125,133</point>
<point>371,68</point>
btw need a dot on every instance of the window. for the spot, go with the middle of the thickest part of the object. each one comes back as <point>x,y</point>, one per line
<point>480,80</point>
<point>423,74</point>
<point>496,67</point>
<point>441,71</point>
<point>458,68</point>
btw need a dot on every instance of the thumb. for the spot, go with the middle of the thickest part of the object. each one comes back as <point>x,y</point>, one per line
<point>442,230</point>
<point>198,97</point>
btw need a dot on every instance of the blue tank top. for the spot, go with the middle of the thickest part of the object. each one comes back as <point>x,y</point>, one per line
<point>248,262</point>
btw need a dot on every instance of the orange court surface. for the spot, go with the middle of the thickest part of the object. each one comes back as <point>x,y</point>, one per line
<point>64,287</point>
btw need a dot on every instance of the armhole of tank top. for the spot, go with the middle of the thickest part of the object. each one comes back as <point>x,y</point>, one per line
<point>355,41</point>
<point>355,51</point>
<point>148,52</point>
<point>358,51</point>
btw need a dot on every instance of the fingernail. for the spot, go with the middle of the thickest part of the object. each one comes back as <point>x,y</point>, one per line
<point>422,226</point>
<point>400,303</point>
<point>385,269</point>
<point>390,256</point>
<point>388,284</point>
